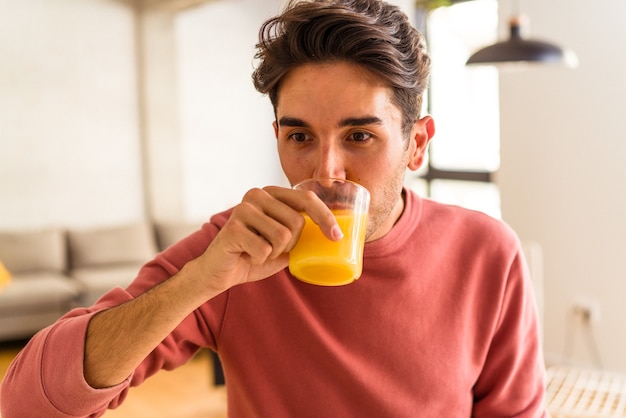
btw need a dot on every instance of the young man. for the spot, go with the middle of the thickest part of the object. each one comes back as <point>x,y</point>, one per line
<point>442,322</point>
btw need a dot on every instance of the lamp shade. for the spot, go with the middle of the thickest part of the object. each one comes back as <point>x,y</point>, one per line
<point>517,49</point>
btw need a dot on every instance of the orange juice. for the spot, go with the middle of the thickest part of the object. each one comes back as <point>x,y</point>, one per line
<point>318,260</point>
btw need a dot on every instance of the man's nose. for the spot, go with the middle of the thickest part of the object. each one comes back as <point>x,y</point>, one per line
<point>330,162</point>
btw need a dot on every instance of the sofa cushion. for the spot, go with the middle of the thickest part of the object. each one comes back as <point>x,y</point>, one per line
<point>37,292</point>
<point>128,244</point>
<point>168,233</point>
<point>31,251</point>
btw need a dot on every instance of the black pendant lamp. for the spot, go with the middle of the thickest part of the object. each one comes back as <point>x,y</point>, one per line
<point>520,50</point>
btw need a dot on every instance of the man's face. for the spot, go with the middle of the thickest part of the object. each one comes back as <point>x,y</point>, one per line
<point>337,120</point>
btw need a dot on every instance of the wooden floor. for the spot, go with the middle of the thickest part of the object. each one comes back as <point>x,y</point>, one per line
<point>186,392</point>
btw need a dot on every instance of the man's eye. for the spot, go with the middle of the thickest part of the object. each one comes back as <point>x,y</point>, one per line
<point>360,136</point>
<point>298,136</point>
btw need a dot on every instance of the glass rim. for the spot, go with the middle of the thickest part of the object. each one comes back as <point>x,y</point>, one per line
<point>333,179</point>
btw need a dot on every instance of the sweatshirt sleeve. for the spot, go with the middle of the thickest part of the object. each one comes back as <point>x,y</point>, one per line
<point>512,382</point>
<point>46,379</point>
<point>42,383</point>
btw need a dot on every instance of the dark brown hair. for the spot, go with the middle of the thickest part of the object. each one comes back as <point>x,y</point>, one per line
<point>370,33</point>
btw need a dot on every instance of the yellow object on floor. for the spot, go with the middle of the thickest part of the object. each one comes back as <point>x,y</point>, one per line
<point>5,276</point>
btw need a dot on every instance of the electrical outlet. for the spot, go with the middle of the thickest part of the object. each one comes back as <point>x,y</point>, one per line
<point>586,310</point>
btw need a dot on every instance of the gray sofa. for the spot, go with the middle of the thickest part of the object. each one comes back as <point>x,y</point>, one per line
<point>55,270</point>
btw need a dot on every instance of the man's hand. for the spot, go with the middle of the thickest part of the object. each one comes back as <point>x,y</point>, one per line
<point>262,229</point>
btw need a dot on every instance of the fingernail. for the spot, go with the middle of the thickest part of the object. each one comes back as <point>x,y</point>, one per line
<point>337,233</point>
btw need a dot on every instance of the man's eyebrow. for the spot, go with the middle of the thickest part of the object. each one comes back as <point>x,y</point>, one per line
<point>366,120</point>
<point>289,121</point>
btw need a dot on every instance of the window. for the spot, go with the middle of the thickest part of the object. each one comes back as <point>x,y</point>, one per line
<point>463,100</point>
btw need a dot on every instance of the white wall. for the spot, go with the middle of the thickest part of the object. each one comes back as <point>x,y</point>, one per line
<point>69,150</point>
<point>71,129</point>
<point>563,173</point>
<point>227,138</point>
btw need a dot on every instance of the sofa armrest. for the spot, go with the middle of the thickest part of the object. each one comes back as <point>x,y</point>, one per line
<point>168,233</point>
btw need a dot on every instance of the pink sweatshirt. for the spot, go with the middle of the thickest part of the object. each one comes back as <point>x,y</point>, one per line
<point>442,323</point>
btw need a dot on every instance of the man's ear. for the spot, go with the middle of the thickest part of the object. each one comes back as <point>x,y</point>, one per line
<point>275,125</point>
<point>421,134</point>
